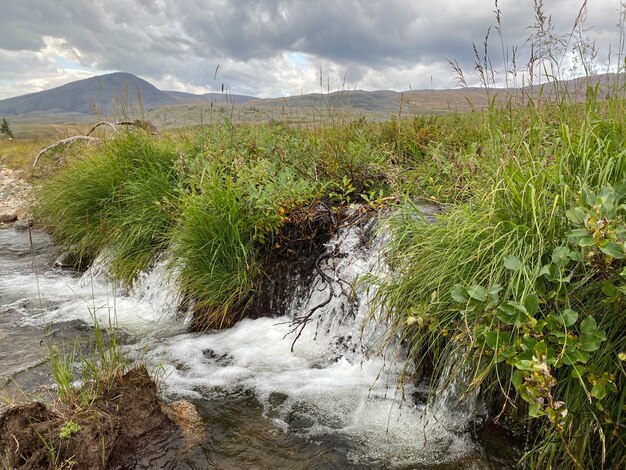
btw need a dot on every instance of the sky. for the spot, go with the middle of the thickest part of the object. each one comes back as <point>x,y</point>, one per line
<point>273,48</point>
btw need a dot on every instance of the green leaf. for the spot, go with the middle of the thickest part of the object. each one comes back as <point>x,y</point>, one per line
<point>587,241</point>
<point>534,410</point>
<point>532,304</point>
<point>620,190</point>
<point>588,325</point>
<point>569,317</point>
<point>592,341</point>
<point>524,364</point>
<point>576,216</point>
<point>598,391</point>
<point>541,349</point>
<point>545,271</point>
<point>459,294</point>
<point>495,339</point>
<point>589,196</point>
<point>577,234</point>
<point>560,256</point>
<point>508,313</point>
<point>529,344</point>
<point>477,292</point>
<point>609,289</point>
<point>512,262</point>
<point>572,356</point>
<point>576,256</point>
<point>613,249</point>
<point>578,371</point>
<point>493,290</point>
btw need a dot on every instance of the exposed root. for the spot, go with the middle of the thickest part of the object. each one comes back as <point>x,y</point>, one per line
<point>299,323</point>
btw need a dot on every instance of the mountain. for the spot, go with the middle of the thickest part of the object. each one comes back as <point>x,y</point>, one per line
<point>112,93</point>
<point>118,92</point>
<point>218,98</point>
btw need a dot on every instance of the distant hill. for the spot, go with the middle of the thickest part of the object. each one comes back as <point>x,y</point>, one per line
<point>112,93</point>
<point>437,101</point>
<point>218,98</point>
<point>118,92</point>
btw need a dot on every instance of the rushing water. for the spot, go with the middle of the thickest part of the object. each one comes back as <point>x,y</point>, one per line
<point>329,400</point>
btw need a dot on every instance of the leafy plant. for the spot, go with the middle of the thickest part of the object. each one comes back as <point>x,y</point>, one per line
<point>69,429</point>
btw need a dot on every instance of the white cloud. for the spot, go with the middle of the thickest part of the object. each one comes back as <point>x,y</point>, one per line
<point>269,47</point>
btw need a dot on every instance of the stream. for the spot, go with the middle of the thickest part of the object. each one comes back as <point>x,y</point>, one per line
<point>331,403</point>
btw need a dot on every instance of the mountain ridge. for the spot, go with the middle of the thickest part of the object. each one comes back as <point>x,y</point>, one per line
<point>125,93</point>
<point>117,92</point>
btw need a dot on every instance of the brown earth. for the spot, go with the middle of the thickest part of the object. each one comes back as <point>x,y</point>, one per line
<point>15,194</point>
<point>124,429</point>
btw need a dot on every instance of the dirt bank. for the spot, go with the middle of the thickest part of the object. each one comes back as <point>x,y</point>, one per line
<point>124,429</point>
<point>15,196</point>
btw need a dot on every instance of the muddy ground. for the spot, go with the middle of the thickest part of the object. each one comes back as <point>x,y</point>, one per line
<point>124,429</point>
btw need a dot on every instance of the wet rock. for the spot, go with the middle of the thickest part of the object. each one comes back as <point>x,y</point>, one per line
<point>68,260</point>
<point>277,398</point>
<point>191,424</point>
<point>22,224</point>
<point>7,216</point>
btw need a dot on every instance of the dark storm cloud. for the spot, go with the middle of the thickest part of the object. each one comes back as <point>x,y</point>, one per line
<point>182,41</point>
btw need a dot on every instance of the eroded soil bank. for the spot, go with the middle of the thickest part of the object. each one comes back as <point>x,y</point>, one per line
<point>125,428</point>
<point>15,195</point>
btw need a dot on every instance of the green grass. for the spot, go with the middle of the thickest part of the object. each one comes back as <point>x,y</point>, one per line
<point>527,279</point>
<point>523,271</point>
<point>121,196</point>
<point>213,245</point>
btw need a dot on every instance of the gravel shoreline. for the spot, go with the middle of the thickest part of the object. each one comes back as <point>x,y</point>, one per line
<point>15,198</point>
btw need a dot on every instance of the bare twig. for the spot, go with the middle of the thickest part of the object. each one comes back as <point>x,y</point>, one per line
<point>102,123</point>
<point>145,125</point>
<point>68,141</point>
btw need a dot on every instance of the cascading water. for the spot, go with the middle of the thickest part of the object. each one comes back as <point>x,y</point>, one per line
<point>327,400</point>
<point>330,385</point>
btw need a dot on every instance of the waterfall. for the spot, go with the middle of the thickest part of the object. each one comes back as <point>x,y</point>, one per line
<point>332,387</point>
<point>322,379</point>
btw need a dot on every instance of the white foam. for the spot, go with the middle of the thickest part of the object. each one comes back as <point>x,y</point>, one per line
<point>332,385</point>
<point>55,296</point>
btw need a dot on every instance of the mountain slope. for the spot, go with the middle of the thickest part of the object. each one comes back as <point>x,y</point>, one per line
<point>112,93</point>
<point>108,93</point>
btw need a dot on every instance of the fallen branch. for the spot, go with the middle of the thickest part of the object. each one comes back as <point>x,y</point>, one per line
<point>145,125</point>
<point>67,141</point>
<point>102,123</point>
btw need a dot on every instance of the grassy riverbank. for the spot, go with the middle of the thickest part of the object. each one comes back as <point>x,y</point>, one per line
<point>524,272</point>
<point>528,280</point>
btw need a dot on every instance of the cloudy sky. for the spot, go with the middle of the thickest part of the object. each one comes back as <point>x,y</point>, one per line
<point>272,48</point>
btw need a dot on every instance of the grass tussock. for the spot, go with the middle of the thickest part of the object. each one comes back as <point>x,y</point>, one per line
<point>120,197</point>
